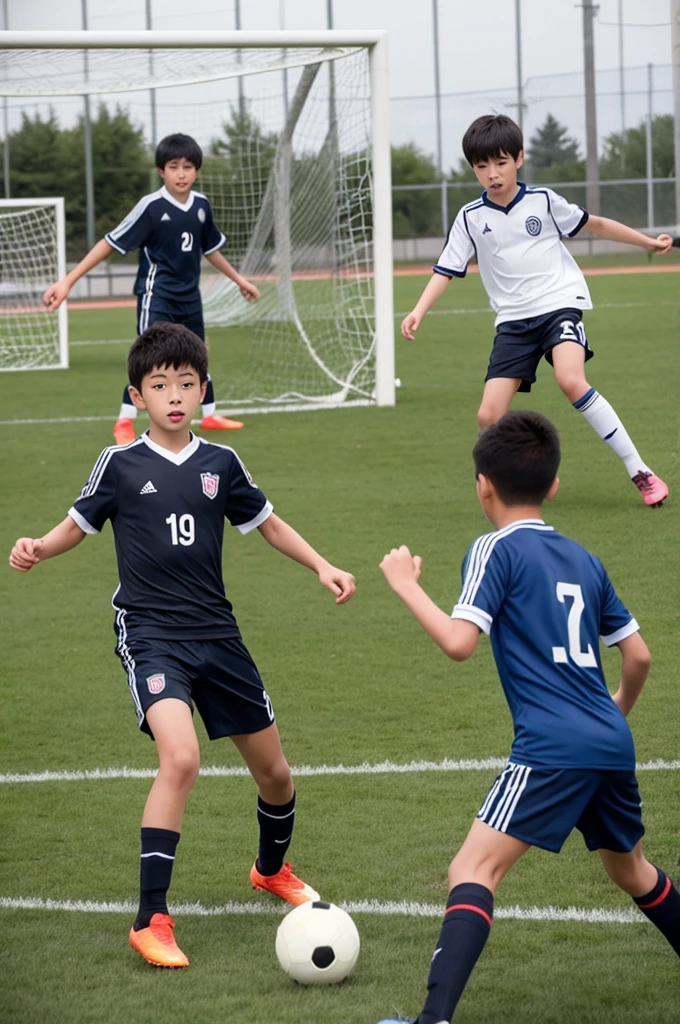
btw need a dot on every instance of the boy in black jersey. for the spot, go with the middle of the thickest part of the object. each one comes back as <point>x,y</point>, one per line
<point>173,229</point>
<point>167,495</point>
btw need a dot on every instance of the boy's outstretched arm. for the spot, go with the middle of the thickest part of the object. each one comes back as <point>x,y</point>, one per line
<point>614,231</point>
<point>433,290</point>
<point>285,539</point>
<point>248,290</point>
<point>456,637</point>
<point>28,551</point>
<point>56,293</point>
<point>635,662</point>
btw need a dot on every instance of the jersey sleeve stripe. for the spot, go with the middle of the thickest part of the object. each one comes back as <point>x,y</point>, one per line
<point>260,518</point>
<point>475,570</point>
<point>448,272</point>
<point>223,239</point>
<point>114,245</point>
<point>621,634</point>
<point>583,221</point>
<point>477,616</point>
<point>81,521</point>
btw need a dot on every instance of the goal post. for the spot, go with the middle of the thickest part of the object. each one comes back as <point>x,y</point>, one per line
<point>32,256</point>
<point>319,242</point>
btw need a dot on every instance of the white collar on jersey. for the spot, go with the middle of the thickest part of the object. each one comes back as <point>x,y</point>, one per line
<point>176,457</point>
<point>175,202</point>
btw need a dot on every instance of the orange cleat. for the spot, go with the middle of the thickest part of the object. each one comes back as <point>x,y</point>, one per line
<point>157,943</point>
<point>653,490</point>
<point>215,422</point>
<point>284,884</point>
<point>124,431</point>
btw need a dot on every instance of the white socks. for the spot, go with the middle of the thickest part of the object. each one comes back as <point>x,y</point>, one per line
<point>607,424</point>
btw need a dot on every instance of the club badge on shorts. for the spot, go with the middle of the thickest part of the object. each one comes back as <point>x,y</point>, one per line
<point>156,684</point>
<point>210,482</point>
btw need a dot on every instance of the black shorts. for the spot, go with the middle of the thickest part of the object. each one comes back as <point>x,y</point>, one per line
<point>218,676</point>
<point>152,308</point>
<point>519,345</point>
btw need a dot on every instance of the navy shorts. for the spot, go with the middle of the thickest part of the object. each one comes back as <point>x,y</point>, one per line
<point>520,345</point>
<point>218,676</point>
<point>541,806</point>
<point>152,308</point>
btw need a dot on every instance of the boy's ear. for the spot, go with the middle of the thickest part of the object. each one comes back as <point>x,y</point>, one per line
<point>553,489</point>
<point>204,387</point>
<point>161,172</point>
<point>520,159</point>
<point>485,488</point>
<point>136,397</point>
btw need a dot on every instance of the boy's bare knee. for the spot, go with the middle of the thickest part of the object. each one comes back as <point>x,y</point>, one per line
<point>572,385</point>
<point>486,415</point>
<point>182,766</point>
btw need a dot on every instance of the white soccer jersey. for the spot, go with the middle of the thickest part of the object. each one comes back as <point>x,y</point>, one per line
<point>525,268</point>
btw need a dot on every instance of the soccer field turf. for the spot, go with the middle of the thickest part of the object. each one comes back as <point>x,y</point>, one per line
<point>354,685</point>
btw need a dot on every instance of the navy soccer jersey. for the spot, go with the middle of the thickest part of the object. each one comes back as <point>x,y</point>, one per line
<point>171,238</point>
<point>546,603</point>
<point>167,511</point>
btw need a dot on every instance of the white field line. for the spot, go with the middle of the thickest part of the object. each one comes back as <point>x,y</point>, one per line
<point>387,908</point>
<point>304,770</point>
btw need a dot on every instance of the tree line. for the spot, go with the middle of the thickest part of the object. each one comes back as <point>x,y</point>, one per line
<point>46,160</point>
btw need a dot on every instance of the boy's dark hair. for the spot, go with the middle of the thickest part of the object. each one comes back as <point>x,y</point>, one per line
<point>165,344</point>
<point>490,137</point>
<point>178,147</point>
<point>520,455</point>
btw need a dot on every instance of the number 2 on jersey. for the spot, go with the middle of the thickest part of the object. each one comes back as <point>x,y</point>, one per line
<point>187,241</point>
<point>182,530</point>
<point>584,659</point>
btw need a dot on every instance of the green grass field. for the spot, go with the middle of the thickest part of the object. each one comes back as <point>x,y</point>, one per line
<point>350,685</point>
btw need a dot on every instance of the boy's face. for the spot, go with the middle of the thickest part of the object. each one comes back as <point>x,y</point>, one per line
<point>498,175</point>
<point>170,397</point>
<point>178,176</point>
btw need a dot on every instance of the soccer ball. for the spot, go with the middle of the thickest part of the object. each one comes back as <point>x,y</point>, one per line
<point>317,944</point>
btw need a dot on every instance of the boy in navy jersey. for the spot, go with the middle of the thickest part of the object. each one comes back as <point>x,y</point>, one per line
<point>534,286</point>
<point>167,495</point>
<point>546,603</point>
<point>172,228</point>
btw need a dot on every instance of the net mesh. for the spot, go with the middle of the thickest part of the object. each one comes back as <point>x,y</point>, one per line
<point>286,136</point>
<point>29,262</point>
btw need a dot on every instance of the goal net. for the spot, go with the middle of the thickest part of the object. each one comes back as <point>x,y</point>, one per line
<point>31,258</point>
<point>294,131</point>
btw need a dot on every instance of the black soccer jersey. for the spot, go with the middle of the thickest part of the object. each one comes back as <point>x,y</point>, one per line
<point>167,511</point>
<point>171,238</point>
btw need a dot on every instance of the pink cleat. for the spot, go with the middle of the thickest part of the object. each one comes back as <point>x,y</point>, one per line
<point>653,490</point>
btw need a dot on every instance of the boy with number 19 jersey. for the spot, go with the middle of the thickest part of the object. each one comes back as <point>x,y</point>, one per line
<point>546,604</point>
<point>167,495</point>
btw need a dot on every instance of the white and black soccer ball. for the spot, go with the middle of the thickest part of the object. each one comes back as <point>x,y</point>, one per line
<point>317,944</point>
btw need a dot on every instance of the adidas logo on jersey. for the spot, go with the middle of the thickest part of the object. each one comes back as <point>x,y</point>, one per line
<point>148,488</point>
<point>166,216</point>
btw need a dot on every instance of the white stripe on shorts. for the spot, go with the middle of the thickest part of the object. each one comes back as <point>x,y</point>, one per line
<point>502,800</point>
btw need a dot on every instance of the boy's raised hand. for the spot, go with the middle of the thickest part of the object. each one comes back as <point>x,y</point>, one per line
<point>341,583</point>
<point>55,295</point>
<point>400,567</point>
<point>409,325</point>
<point>25,553</point>
<point>662,244</point>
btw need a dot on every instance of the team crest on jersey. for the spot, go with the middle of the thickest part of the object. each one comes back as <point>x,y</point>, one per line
<point>201,214</point>
<point>210,483</point>
<point>156,684</point>
<point>533,226</point>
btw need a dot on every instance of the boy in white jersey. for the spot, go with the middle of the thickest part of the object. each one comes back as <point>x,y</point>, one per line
<point>534,286</point>
<point>546,603</point>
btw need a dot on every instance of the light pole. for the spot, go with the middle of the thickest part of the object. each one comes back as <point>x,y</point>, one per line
<point>518,51</point>
<point>592,179</point>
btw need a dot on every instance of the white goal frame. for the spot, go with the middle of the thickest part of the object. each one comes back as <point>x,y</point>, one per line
<point>57,202</point>
<point>375,42</point>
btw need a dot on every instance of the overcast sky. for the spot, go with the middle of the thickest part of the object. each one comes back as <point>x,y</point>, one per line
<point>477,52</point>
